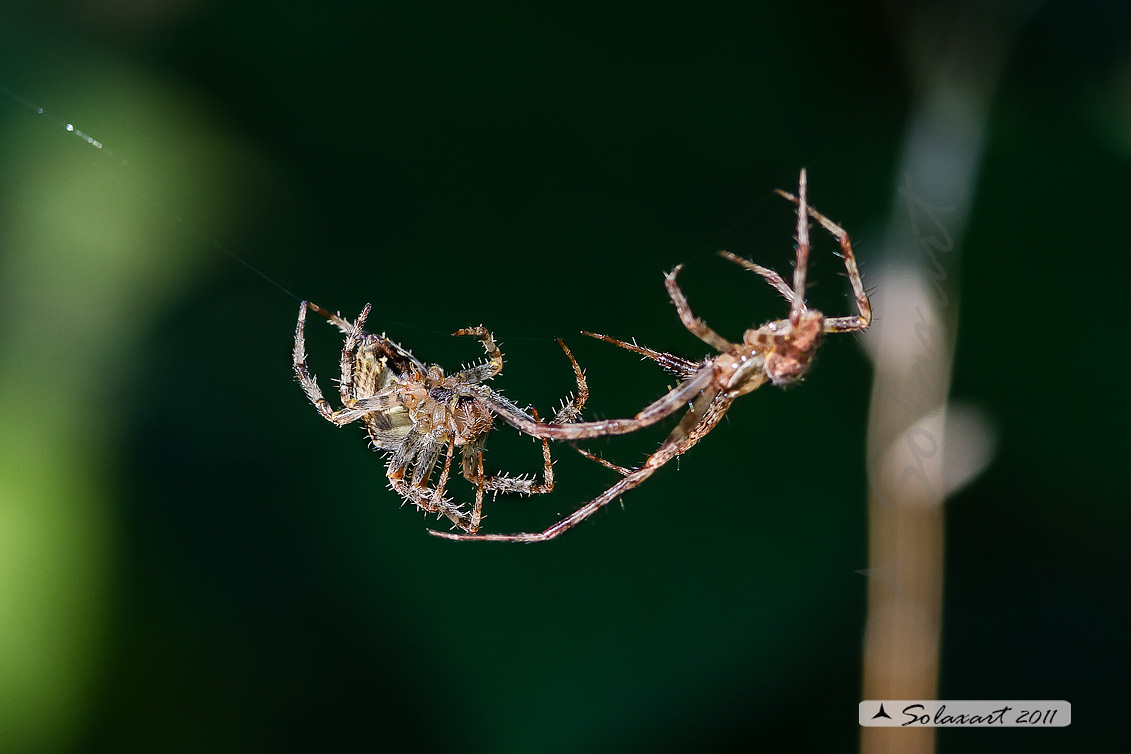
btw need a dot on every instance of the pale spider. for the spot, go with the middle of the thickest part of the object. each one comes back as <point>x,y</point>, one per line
<point>779,351</point>
<point>413,413</point>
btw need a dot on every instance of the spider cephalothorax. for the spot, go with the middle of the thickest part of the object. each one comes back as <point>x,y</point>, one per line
<point>788,348</point>
<point>436,405</point>
<point>413,413</point>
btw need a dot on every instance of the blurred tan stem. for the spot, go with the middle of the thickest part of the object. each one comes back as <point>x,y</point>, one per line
<point>911,452</point>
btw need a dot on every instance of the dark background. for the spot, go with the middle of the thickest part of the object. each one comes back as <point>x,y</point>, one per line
<point>192,560</point>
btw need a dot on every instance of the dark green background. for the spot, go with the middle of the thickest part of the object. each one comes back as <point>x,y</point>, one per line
<point>536,167</point>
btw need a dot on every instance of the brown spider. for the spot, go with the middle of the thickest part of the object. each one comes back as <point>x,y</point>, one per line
<point>413,413</point>
<point>779,351</point>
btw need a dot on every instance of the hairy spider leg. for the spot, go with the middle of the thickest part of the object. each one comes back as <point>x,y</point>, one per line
<point>345,385</point>
<point>606,463</point>
<point>771,277</point>
<point>851,323</point>
<point>441,485</point>
<point>797,308</point>
<point>677,365</point>
<point>708,409</point>
<point>477,512</point>
<point>670,362</point>
<point>496,483</point>
<point>483,372</point>
<point>660,409</point>
<point>348,327</point>
<point>335,319</point>
<point>572,406</point>
<point>694,325</point>
<point>416,450</point>
<point>309,384</point>
<point>666,406</point>
<point>570,409</point>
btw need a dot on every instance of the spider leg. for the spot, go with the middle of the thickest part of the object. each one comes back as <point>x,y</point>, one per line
<point>660,409</point>
<point>423,498</point>
<point>310,384</point>
<point>457,517</point>
<point>771,277</point>
<point>607,464</point>
<point>409,447</point>
<point>504,483</point>
<point>418,449</point>
<point>695,326</point>
<point>863,305</point>
<point>383,400</point>
<point>345,385</point>
<point>676,365</point>
<point>799,269</point>
<point>486,371</point>
<point>425,463</point>
<point>477,511</point>
<point>715,412</point>
<point>468,455</point>
<point>404,357</point>
<point>708,409</point>
<point>572,406</point>
<point>335,319</point>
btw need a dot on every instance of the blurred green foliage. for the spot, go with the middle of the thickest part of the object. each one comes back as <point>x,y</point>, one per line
<point>190,559</point>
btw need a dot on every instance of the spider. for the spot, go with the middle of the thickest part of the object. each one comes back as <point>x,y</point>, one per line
<point>779,351</point>
<point>413,413</point>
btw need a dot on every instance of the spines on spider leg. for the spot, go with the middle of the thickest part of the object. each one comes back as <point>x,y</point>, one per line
<point>676,365</point>
<point>335,319</point>
<point>569,410</point>
<point>863,303</point>
<point>494,354</point>
<point>308,381</point>
<point>607,464</point>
